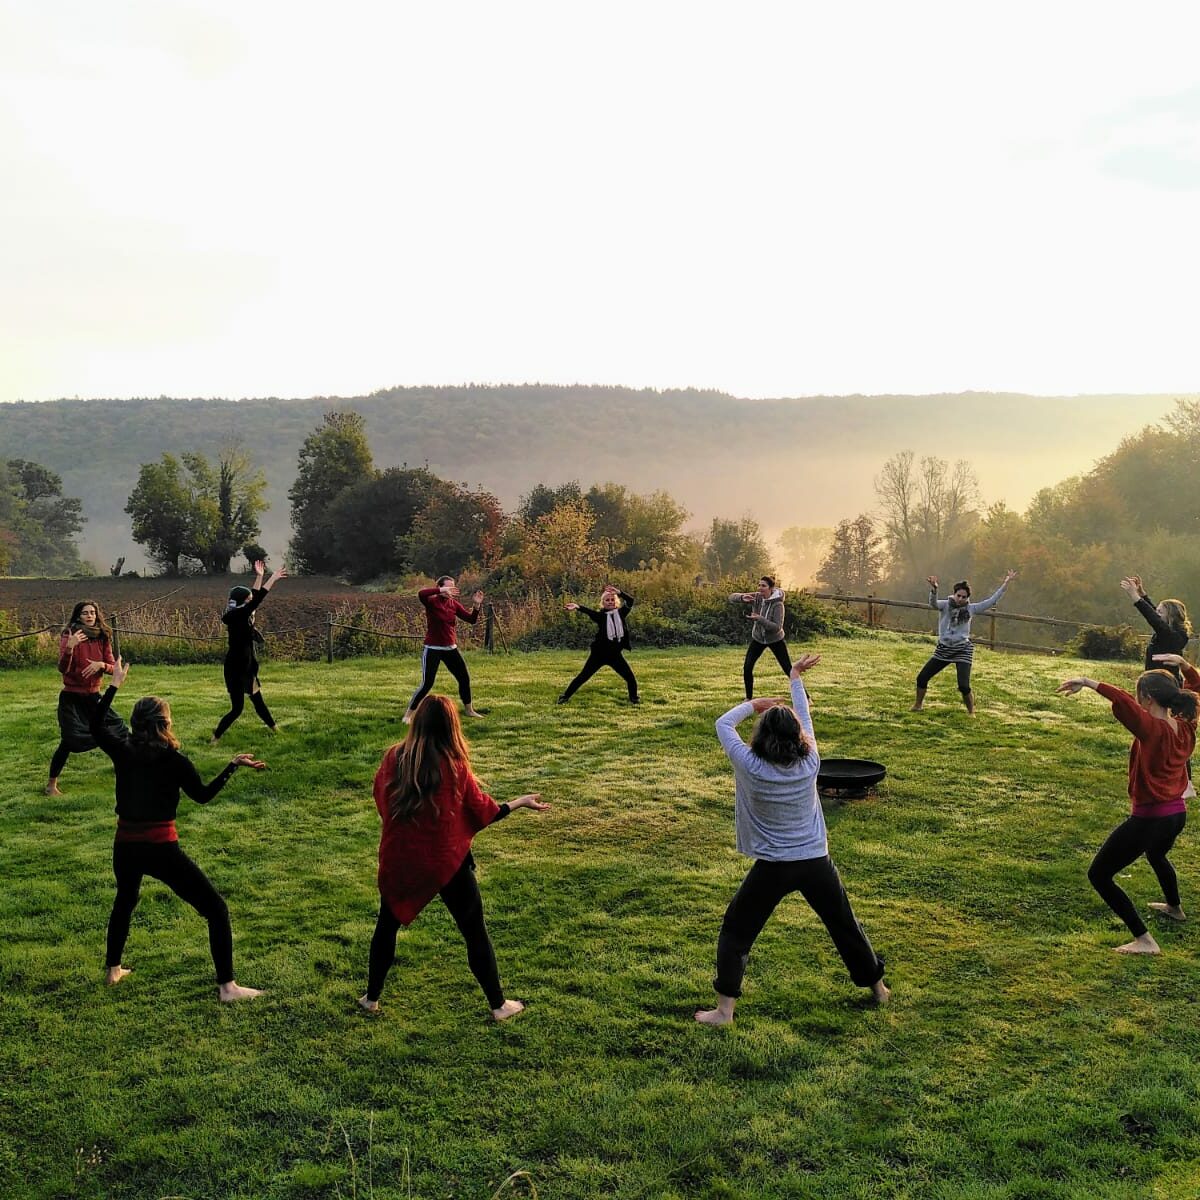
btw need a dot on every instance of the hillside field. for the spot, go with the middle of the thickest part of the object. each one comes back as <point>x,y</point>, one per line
<point>1020,1058</point>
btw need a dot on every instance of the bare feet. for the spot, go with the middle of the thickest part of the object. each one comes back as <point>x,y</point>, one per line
<point>917,708</point>
<point>407,718</point>
<point>1173,911</point>
<point>1141,945</point>
<point>51,789</point>
<point>721,1015</point>
<point>212,741</point>
<point>368,1005</point>
<point>881,992</point>
<point>229,992</point>
<point>509,1008</point>
<point>472,711</point>
<point>114,975</point>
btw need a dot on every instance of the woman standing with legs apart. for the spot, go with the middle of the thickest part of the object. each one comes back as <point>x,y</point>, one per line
<point>241,660</point>
<point>766,630</point>
<point>84,657</point>
<point>781,826</point>
<point>442,610</point>
<point>954,637</point>
<point>432,807</point>
<point>1162,720</point>
<point>151,773</point>
<point>612,637</point>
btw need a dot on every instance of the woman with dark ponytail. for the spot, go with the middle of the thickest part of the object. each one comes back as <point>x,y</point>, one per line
<point>1162,719</point>
<point>432,807</point>
<point>241,661</point>
<point>85,656</point>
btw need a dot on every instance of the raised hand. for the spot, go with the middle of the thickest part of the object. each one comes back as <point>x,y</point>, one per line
<point>932,581</point>
<point>1137,579</point>
<point>248,760</point>
<point>570,606</point>
<point>749,597</point>
<point>449,589</point>
<point>477,597</point>
<point>260,567</point>
<point>760,704</point>
<point>802,664</point>
<point>1129,586</point>
<point>75,639</point>
<point>1170,660</point>
<point>1009,575</point>
<point>119,671</point>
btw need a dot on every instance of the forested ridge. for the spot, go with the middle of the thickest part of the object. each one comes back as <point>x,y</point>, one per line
<point>808,460</point>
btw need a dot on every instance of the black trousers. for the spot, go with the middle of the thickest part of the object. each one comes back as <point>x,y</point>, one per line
<point>431,659</point>
<point>166,862</point>
<point>603,658</point>
<point>766,884</point>
<point>74,711</point>
<point>754,652</point>
<point>934,665</point>
<point>461,896</point>
<point>237,702</point>
<point>1151,836</point>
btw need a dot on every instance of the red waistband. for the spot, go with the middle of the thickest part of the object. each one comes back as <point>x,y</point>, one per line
<point>146,831</point>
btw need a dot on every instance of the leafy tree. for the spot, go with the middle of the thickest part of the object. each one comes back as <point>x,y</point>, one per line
<point>160,506</point>
<point>854,561</point>
<point>639,529</point>
<point>735,549</point>
<point>38,522</point>
<point>368,522</point>
<point>334,457</point>
<point>543,499</point>
<point>804,548</point>
<point>456,527</point>
<point>561,550</point>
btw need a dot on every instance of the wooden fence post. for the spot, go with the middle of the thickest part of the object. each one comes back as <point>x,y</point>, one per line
<point>489,629</point>
<point>329,639</point>
<point>870,611</point>
<point>116,641</point>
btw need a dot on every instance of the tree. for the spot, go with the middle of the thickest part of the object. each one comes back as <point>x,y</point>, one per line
<point>160,506</point>
<point>928,511</point>
<point>368,522</point>
<point>456,527</point>
<point>39,523</point>
<point>561,551</point>
<point>804,548</point>
<point>335,456</point>
<point>855,557</point>
<point>638,529</point>
<point>735,549</point>
<point>543,499</point>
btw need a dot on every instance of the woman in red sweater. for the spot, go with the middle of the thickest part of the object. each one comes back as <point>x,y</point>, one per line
<point>432,806</point>
<point>442,611</point>
<point>1162,719</point>
<point>84,657</point>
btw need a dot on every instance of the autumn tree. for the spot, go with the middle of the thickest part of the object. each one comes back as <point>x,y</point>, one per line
<point>456,527</point>
<point>735,549</point>
<point>561,550</point>
<point>853,563</point>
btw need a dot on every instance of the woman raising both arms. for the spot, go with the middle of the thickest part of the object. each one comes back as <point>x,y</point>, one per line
<point>1162,719</point>
<point>151,772</point>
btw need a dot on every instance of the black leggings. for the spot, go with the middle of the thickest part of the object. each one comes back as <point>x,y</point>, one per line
<point>754,652</point>
<point>461,896</point>
<point>817,880</point>
<point>1151,836</point>
<point>934,665</point>
<point>237,702</point>
<point>59,760</point>
<point>165,861</point>
<point>603,658</point>
<point>431,659</point>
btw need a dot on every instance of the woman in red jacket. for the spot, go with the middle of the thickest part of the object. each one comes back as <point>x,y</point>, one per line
<point>442,611</point>
<point>1162,719</point>
<point>432,806</point>
<point>84,657</point>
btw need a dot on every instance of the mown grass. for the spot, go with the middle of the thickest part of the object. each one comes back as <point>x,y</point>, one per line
<point>1020,1058</point>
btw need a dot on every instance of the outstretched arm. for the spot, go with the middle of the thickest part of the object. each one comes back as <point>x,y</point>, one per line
<point>1125,708</point>
<point>195,787</point>
<point>727,734</point>
<point>994,598</point>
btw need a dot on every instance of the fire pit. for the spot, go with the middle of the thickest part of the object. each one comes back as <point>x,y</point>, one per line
<point>848,778</point>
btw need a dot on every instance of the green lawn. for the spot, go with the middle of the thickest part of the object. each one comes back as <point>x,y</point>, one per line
<point>1020,1057</point>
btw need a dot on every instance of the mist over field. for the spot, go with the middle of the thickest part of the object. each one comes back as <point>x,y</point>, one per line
<point>800,461</point>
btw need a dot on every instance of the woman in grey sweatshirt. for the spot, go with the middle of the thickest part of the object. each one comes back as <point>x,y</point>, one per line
<point>779,823</point>
<point>766,629</point>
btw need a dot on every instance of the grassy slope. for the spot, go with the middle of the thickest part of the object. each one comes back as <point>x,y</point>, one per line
<point>1021,1057</point>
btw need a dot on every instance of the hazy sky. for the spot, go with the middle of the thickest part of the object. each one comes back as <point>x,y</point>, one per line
<point>793,198</point>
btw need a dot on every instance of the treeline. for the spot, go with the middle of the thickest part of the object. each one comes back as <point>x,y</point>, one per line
<point>1136,511</point>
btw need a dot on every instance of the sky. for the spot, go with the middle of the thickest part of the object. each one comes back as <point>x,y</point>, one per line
<point>772,199</point>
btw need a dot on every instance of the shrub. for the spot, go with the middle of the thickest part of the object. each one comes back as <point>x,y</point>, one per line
<point>1107,642</point>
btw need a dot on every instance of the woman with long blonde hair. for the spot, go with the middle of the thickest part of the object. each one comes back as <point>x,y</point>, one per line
<point>432,806</point>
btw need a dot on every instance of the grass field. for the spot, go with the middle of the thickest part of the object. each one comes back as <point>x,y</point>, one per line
<point>1020,1058</point>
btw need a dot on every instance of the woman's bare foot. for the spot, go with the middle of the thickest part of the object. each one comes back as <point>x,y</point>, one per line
<point>51,789</point>
<point>721,1015</point>
<point>917,708</point>
<point>472,711</point>
<point>114,975</point>
<point>368,1005</point>
<point>1174,911</point>
<point>1140,945</point>
<point>407,718</point>
<point>228,992</point>
<point>509,1008</point>
<point>881,992</point>
<point>214,740</point>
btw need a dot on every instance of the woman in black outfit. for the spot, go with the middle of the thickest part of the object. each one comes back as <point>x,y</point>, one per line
<point>151,772</point>
<point>241,661</point>
<point>1168,619</point>
<point>612,636</point>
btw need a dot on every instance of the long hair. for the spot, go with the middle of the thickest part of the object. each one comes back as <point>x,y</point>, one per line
<point>434,746</point>
<point>1160,686</point>
<point>1176,615</point>
<point>102,624</point>
<point>778,737</point>
<point>150,725</point>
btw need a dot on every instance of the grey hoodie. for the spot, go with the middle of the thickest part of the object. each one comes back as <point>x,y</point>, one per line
<point>770,628</point>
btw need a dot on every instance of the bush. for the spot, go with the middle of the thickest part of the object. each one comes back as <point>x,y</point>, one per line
<point>22,651</point>
<point>1108,642</point>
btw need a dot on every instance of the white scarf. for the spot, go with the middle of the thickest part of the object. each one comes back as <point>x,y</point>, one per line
<point>616,627</point>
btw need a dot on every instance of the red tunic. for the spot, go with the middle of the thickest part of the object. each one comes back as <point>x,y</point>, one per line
<point>441,612</point>
<point>1159,754</point>
<point>417,858</point>
<point>72,662</point>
